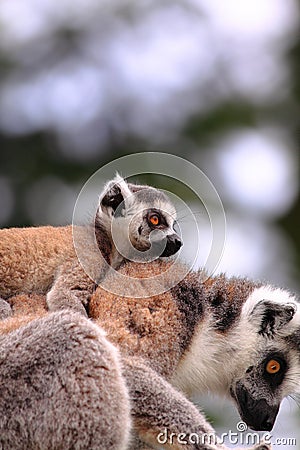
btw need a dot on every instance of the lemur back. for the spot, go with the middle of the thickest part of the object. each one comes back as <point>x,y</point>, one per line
<point>43,259</point>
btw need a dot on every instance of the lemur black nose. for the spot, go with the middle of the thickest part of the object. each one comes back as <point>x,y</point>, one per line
<point>267,425</point>
<point>177,243</point>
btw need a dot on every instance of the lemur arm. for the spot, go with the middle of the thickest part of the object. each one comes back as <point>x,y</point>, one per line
<point>163,417</point>
<point>72,289</point>
<point>161,413</point>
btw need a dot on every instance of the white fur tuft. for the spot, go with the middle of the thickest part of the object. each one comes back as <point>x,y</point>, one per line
<point>119,180</point>
<point>123,185</point>
<point>276,295</point>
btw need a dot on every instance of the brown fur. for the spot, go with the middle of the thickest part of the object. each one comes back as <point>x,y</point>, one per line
<point>25,308</point>
<point>43,260</point>
<point>141,326</point>
<point>30,258</point>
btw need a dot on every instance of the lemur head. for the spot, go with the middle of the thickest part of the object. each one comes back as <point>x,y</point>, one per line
<point>139,219</point>
<point>271,319</point>
<point>246,345</point>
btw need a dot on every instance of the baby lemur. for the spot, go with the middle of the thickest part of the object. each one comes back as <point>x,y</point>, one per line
<point>228,336</point>
<point>131,221</point>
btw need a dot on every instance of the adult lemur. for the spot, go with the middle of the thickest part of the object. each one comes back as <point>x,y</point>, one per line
<point>228,336</point>
<point>131,219</point>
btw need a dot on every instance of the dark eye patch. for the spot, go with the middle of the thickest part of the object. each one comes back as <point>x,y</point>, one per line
<point>158,213</point>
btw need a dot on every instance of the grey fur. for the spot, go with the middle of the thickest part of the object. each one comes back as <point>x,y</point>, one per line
<point>5,309</point>
<point>157,406</point>
<point>58,374</point>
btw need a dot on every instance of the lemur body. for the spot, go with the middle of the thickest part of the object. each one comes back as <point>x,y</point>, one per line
<point>228,336</point>
<point>44,260</point>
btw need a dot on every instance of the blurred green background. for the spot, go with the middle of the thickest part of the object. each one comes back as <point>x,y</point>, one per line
<point>83,82</point>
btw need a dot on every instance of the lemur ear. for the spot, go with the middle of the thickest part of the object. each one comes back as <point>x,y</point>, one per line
<point>114,193</point>
<point>272,316</point>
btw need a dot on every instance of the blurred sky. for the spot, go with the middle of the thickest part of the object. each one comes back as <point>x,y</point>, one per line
<point>85,67</point>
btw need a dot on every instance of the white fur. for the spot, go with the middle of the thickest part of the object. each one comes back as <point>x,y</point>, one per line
<point>276,295</point>
<point>269,293</point>
<point>120,182</point>
<point>123,185</point>
<point>213,359</point>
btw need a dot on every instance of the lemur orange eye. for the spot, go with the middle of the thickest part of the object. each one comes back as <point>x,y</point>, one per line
<point>154,219</point>
<point>273,366</point>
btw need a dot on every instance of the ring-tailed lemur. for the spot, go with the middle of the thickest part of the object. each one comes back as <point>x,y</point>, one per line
<point>228,336</point>
<point>43,259</point>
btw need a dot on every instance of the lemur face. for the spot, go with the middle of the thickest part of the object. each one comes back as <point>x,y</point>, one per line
<point>152,221</point>
<point>259,392</point>
<point>272,371</point>
<point>142,221</point>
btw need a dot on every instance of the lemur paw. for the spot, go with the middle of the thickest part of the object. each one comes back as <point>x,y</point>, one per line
<point>5,309</point>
